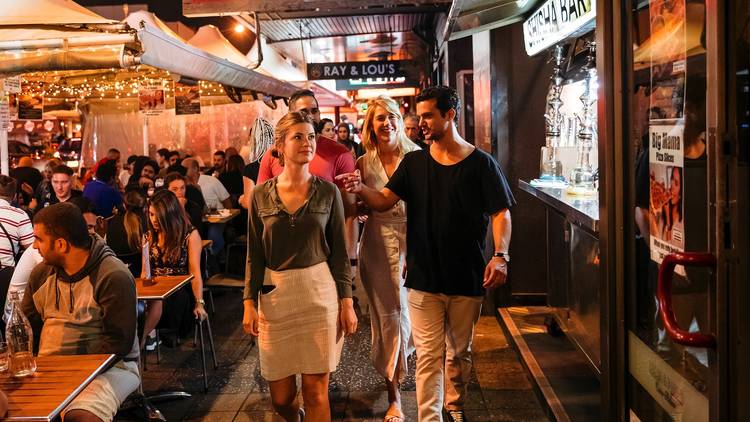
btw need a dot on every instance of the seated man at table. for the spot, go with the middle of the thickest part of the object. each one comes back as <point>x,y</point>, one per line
<point>84,301</point>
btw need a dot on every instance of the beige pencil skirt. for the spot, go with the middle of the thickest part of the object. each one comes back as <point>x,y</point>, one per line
<point>298,323</point>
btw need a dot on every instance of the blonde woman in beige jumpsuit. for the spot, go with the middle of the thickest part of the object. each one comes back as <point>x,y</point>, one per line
<point>382,253</point>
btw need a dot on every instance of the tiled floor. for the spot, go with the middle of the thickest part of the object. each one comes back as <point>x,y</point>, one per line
<point>500,389</point>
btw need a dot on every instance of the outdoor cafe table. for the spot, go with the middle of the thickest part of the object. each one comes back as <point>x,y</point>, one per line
<point>160,287</point>
<point>57,381</point>
<point>221,218</point>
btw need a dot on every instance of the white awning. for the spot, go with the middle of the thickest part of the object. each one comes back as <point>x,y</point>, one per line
<point>41,35</point>
<point>274,63</point>
<point>165,51</point>
<point>208,38</point>
<point>47,12</point>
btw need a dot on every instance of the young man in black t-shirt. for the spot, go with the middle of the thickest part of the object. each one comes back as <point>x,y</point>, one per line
<point>452,191</point>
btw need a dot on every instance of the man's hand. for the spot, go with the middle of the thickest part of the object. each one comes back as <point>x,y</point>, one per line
<point>352,181</point>
<point>495,273</point>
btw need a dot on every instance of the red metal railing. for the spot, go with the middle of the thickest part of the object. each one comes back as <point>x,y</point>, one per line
<point>664,295</point>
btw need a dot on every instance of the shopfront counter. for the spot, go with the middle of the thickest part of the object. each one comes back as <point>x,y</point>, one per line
<point>572,248</point>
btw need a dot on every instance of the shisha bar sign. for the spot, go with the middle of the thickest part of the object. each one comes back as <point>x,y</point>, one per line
<point>355,70</point>
<point>555,21</point>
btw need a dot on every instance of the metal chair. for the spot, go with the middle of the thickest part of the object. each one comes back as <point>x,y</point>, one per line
<point>199,334</point>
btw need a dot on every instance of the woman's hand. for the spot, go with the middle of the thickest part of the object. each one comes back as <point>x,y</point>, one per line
<point>200,312</point>
<point>347,316</point>
<point>250,319</point>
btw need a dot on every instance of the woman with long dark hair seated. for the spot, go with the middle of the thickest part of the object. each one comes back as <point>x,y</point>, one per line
<point>174,249</point>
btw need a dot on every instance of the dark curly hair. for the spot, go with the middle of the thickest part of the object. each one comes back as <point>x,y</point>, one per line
<point>447,98</point>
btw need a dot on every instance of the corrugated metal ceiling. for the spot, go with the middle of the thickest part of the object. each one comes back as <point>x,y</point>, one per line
<point>317,27</point>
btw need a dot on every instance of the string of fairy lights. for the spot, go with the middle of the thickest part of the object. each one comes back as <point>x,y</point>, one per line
<point>105,85</point>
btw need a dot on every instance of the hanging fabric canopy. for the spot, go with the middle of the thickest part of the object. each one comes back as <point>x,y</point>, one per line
<point>60,35</point>
<point>274,63</point>
<point>46,12</point>
<point>209,39</point>
<point>165,50</point>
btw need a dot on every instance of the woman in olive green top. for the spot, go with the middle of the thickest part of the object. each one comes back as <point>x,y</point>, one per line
<point>300,276</point>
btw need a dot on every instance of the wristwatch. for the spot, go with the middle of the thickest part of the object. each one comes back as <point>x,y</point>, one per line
<point>504,255</point>
<point>202,302</point>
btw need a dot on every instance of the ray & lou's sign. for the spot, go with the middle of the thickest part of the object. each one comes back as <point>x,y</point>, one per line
<point>356,70</point>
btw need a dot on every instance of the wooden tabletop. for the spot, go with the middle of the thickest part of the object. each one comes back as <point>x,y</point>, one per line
<point>161,287</point>
<point>218,219</point>
<point>56,382</point>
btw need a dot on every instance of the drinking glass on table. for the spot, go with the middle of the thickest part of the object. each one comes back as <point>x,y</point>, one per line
<point>4,360</point>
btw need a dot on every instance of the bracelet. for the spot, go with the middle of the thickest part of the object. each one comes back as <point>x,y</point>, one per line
<point>353,262</point>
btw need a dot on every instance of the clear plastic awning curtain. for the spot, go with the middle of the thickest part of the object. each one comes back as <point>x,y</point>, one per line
<point>118,124</point>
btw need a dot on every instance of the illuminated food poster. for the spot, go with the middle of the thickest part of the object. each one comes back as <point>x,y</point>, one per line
<point>187,99</point>
<point>151,99</point>
<point>30,103</point>
<point>667,127</point>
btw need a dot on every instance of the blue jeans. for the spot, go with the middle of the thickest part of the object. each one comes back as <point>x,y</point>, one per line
<point>215,233</point>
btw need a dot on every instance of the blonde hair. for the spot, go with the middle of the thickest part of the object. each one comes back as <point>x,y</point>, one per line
<point>282,128</point>
<point>369,138</point>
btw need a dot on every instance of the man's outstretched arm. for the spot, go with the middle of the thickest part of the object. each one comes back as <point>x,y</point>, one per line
<point>381,200</point>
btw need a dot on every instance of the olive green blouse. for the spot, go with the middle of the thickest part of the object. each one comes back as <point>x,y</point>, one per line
<point>315,233</point>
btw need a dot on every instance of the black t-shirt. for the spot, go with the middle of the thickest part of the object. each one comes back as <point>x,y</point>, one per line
<point>232,181</point>
<point>47,197</point>
<point>195,215</point>
<point>251,171</point>
<point>193,194</point>
<point>448,210</point>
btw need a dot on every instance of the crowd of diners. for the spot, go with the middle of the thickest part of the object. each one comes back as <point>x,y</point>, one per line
<point>405,206</point>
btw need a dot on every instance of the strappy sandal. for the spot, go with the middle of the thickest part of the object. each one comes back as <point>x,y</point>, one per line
<point>394,417</point>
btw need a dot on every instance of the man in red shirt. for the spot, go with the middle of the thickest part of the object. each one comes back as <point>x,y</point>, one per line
<point>331,159</point>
